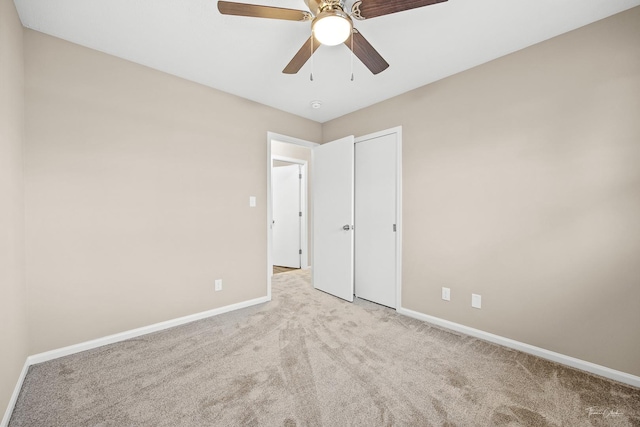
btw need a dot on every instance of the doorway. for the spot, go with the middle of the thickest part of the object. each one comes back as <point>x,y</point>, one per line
<point>288,151</point>
<point>331,216</point>
<point>289,209</point>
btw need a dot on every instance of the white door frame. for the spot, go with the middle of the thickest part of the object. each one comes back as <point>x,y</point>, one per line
<point>304,259</point>
<point>398,131</point>
<point>272,136</point>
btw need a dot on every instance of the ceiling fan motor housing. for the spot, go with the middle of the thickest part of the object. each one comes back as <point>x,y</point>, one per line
<point>317,6</point>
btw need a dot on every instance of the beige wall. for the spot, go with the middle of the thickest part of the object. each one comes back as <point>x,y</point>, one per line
<point>137,194</point>
<point>301,153</point>
<point>522,183</point>
<point>13,321</point>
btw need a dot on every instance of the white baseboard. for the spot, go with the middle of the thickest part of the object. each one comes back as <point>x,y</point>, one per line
<point>583,365</point>
<point>14,396</point>
<point>110,339</point>
<point>99,342</point>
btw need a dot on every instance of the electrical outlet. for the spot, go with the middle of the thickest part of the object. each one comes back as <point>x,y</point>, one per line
<point>446,294</point>
<point>218,285</point>
<point>252,201</point>
<point>476,301</point>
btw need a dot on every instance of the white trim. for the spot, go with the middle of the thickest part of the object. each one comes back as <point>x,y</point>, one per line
<point>583,365</point>
<point>399,219</point>
<point>288,159</point>
<point>304,226</point>
<point>14,396</point>
<point>304,208</point>
<point>272,136</point>
<point>398,132</point>
<point>110,339</point>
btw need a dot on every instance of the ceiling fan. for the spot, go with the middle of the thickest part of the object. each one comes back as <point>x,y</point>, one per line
<point>330,25</point>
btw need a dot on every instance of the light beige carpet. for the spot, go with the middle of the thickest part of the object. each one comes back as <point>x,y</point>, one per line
<point>309,359</point>
<point>278,269</point>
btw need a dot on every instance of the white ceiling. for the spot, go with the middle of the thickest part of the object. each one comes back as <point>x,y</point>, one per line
<point>245,56</point>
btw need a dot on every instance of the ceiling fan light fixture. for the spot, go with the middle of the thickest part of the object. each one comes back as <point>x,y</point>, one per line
<point>332,27</point>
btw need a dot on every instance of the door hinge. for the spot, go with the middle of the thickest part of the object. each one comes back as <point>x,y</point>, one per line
<point>299,176</point>
<point>300,251</point>
<point>300,213</point>
<point>394,228</point>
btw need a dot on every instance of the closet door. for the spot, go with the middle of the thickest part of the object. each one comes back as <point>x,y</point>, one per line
<point>375,219</point>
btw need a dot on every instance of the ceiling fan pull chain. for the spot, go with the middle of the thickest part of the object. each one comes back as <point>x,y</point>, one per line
<point>312,62</point>
<point>351,55</point>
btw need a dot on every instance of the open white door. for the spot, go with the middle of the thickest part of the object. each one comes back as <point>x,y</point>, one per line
<point>333,180</point>
<point>285,187</point>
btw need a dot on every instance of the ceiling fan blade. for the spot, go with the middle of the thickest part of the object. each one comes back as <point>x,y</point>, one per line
<point>301,57</point>
<point>366,53</point>
<point>257,11</point>
<point>367,9</point>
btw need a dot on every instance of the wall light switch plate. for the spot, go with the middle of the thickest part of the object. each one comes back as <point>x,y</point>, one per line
<point>476,301</point>
<point>218,285</point>
<point>252,201</point>
<point>446,294</point>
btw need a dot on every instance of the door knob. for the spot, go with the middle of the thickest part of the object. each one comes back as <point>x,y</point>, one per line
<point>346,227</point>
